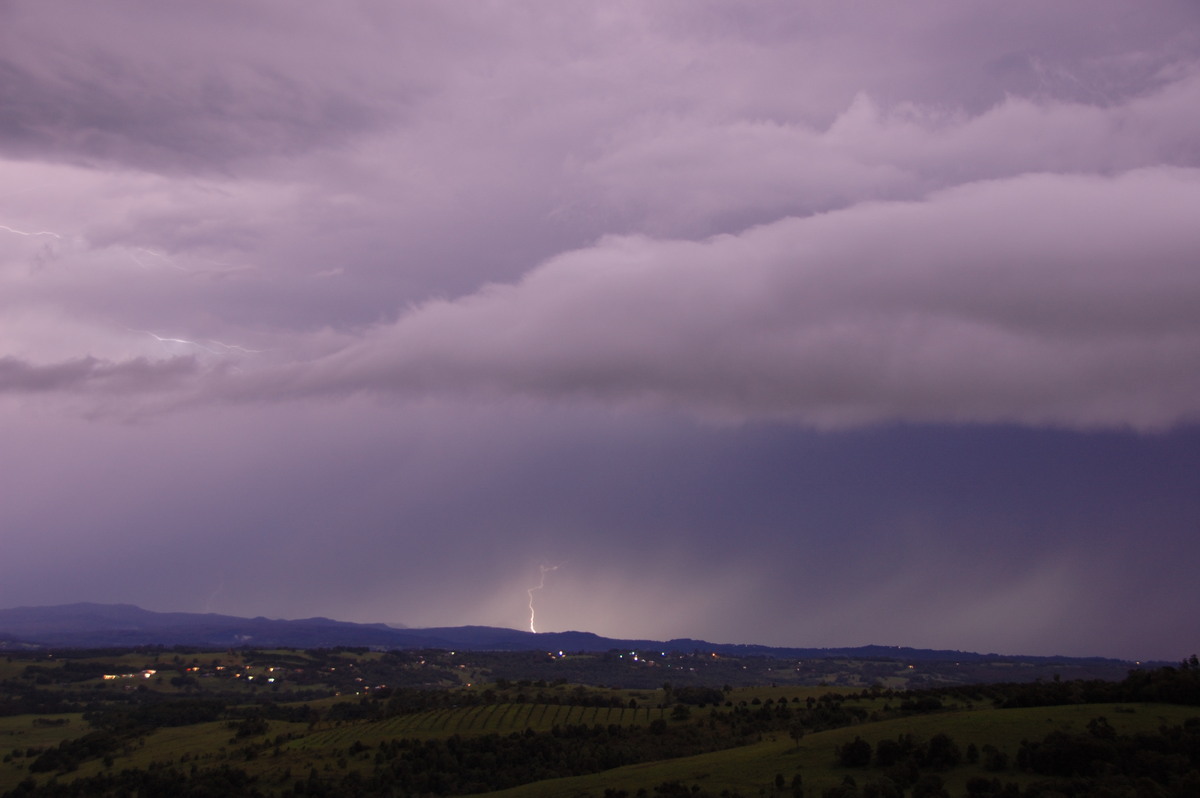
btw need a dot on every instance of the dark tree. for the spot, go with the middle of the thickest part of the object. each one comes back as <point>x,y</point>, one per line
<point>855,754</point>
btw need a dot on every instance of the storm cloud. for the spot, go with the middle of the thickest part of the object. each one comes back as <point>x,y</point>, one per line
<point>1041,299</point>
<point>811,325</point>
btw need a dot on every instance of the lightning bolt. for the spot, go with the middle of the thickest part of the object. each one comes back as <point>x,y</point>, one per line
<point>227,347</point>
<point>144,257</point>
<point>544,569</point>
<point>166,260</point>
<point>212,596</point>
<point>184,341</point>
<point>236,347</point>
<point>29,234</point>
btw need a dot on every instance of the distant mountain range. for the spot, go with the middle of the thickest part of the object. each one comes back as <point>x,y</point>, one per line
<point>124,625</point>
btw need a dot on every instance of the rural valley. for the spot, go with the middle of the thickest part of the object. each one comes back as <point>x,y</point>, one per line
<point>357,720</point>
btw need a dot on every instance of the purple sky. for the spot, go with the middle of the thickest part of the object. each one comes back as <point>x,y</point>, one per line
<point>804,324</point>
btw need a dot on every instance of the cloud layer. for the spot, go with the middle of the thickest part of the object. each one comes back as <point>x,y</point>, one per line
<point>1039,299</point>
<point>740,254</point>
<point>883,311</point>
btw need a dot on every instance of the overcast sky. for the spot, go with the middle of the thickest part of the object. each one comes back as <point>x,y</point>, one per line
<point>811,324</point>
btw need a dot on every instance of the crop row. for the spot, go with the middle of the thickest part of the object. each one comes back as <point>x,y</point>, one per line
<point>492,718</point>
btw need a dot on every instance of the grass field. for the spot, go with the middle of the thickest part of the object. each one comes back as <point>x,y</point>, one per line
<point>22,732</point>
<point>749,768</point>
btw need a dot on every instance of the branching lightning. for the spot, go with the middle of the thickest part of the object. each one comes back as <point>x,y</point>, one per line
<point>166,260</point>
<point>162,260</point>
<point>184,341</point>
<point>226,347</point>
<point>545,569</point>
<point>235,347</point>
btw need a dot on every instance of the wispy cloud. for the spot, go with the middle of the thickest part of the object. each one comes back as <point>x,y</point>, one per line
<point>93,376</point>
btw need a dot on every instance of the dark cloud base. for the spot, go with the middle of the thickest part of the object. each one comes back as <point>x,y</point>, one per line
<point>981,538</point>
